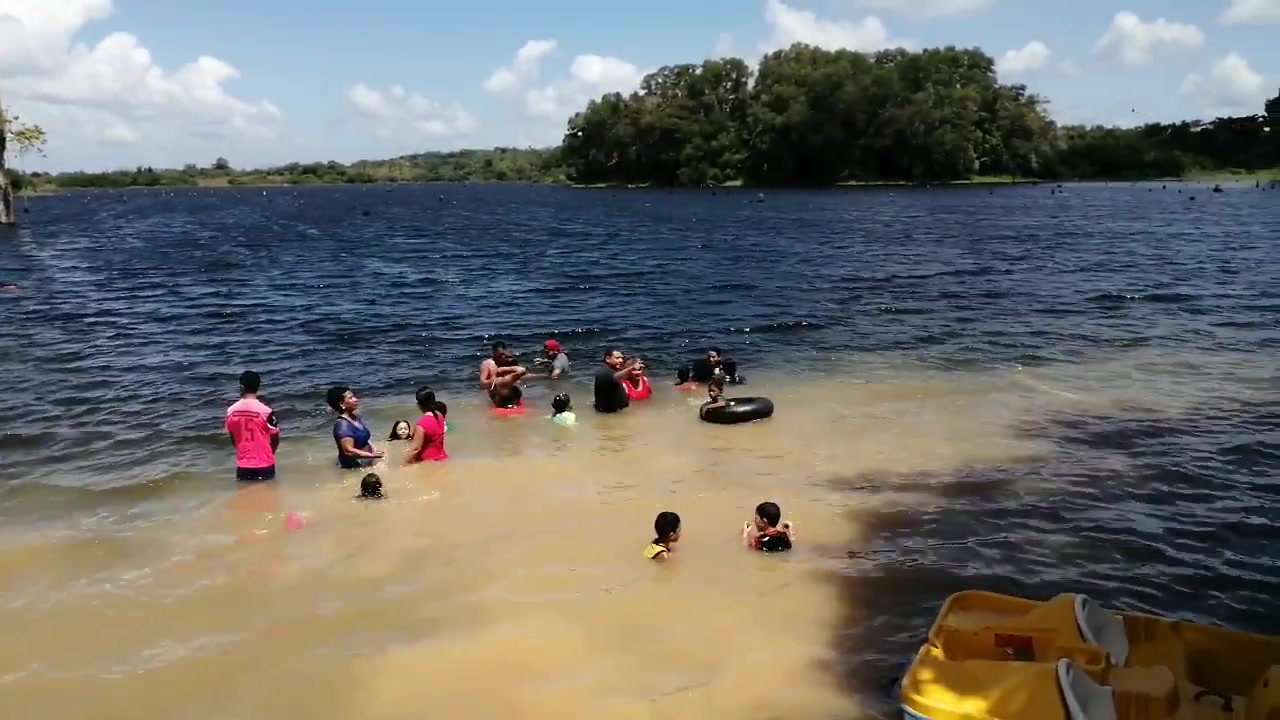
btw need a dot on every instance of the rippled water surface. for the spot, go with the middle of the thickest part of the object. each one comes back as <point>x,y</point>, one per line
<point>1028,390</point>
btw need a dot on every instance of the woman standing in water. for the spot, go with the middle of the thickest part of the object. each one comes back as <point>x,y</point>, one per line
<point>349,431</point>
<point>427,443</point>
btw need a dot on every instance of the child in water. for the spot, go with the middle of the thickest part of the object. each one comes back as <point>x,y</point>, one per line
<point>401,430</point>
<point>371,487</point>
<point>684,379</point>
<point>562,410</point>
<point>443,409</point>
<point>715,395</point>
<point>767,532</point>
<point>666,528</point>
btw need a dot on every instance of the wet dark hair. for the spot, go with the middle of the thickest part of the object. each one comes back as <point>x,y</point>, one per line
<point>371,486</point>
<point>561,403</point>
<point>665,525</point>
<point>715,350</point>
<point>396,424</point>
<point>427,403</point>
<point>498,347</point>
<point>442,408</point>
<point>682,374</point>
<point>250,381</point>
<point>612,350</point>
<point>770,513</point>
<point>717,381</point>
<point>334,396</point>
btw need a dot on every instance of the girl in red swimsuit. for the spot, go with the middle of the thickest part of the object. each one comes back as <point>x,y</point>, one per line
<point>637,386</point>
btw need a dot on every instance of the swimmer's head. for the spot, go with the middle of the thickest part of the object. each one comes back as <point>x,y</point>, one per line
<point>442,408</point>
<point>715,388</point>
<point>613,358</point>
<point>426,399</point>
<point>501,353</point>
<point>682,375</point>
<point>371,486</point>
<point>250,382</point>
<point>561,403</point>
<point>768,515</point>
<point>666,528</point>
<point>714,356</point>
<point>402,430</point>
<point>341,399</point>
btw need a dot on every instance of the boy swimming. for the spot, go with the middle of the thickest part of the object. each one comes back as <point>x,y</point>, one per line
<point>562,410</point>
<point>715,395</point>
<point>767,532</point>
<point>666,528</point>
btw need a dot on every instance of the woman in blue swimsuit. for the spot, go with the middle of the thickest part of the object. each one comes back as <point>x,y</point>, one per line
<point>349,431</point>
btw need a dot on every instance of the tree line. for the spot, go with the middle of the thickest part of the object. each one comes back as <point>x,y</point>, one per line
<point>803,116</point>
<point>808,116</point>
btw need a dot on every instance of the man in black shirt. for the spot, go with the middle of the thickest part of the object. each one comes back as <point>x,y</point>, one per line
<point>611,397</point>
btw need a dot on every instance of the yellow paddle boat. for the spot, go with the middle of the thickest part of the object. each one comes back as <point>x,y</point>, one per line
<point>995,657</point>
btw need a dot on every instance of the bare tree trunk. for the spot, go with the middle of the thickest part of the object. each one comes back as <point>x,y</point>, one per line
<point>7,216</point>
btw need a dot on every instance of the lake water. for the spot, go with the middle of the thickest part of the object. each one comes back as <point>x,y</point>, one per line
<point>1028,389</point>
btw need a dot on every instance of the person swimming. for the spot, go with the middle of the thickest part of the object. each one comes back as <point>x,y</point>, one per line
<point>768,532</point>
<point>370,487</point>
<point>715,395</point>
<point>684,379</point>
<point>443,408</point>
<point>666,528</point>
<point>500,377</point>
<point>562,410</point>
<point>637,386</point>
<point>401,430</point>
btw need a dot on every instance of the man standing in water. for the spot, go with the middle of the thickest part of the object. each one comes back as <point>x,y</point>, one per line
<point>254,432</point>
<point>715,363</point>
<point>554,357</point>
<point>611,396</point>
<point>499,374</point>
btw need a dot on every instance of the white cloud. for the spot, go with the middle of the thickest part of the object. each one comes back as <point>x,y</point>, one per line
<point>925,9</point>
<point>1135,43</point>
<point>551,104</point>
<point>1230,87</point>
<point>590,76</point>
<point>789,25</point>
<point>522,70</point>
<point>114,91</point>
<point>1251,12</point>
<point>400,113</point>
<point>1028,58</point>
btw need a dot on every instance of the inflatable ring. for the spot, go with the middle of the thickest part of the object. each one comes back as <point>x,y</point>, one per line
<point>741,410</point>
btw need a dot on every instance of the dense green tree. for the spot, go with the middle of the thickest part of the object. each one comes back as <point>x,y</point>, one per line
<point>817,117</point>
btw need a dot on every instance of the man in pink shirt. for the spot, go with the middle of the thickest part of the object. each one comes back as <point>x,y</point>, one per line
<point>254,432</point>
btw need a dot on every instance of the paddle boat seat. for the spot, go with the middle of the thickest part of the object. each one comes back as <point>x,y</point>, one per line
<point>1102,628</point>
<point>1084,698</point>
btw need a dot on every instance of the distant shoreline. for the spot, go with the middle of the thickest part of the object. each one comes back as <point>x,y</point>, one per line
<point>1218,176</point>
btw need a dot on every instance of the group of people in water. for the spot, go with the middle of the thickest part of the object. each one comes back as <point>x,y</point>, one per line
<point>620,381</point>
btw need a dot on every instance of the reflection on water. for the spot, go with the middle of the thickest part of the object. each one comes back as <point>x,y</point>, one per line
<point>524,564</point>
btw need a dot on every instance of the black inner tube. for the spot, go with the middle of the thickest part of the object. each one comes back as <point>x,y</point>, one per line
<point>740,410</point>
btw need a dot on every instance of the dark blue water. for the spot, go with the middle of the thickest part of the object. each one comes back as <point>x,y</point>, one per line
<point>134,313</point>
<point>136,310</point>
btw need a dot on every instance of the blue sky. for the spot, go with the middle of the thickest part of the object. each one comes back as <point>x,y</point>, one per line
<point>114,83</point>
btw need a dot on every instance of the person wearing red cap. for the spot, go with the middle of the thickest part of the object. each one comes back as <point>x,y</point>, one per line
<point>554,357</point>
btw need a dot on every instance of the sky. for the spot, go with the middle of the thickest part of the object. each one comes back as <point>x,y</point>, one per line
<point>121,83</point>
